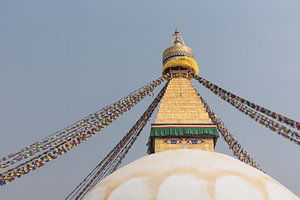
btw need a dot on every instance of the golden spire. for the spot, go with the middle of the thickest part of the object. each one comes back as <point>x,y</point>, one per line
<point>182,121</point>
<point>178,56</point>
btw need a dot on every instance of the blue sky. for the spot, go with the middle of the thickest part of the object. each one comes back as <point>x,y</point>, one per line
<point>61,60</point>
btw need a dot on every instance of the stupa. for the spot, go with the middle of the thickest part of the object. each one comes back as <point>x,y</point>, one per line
<point>183,163</point>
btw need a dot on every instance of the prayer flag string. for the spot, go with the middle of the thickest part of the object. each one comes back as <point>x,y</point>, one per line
<point>238,151</point>
<point>111,162</point>
<point>84,124</point>
<point>278,117</point>
<point>268,123</point>
<point>261,119</point>
<point>62,146</point>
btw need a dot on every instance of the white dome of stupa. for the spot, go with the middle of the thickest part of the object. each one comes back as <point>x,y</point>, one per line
<point>189,175</point>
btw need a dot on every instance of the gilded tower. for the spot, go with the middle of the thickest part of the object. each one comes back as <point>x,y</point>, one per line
<point>182,121</point>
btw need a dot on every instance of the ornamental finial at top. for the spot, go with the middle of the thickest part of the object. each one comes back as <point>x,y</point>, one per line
<point>177,38</point>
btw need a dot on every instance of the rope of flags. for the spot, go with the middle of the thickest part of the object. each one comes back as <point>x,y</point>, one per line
<point>278,117</point>
<point>111,162</point>
<point>268,123</point>
<point>65,141</point>
<point>238,151</point>
<point>113,165</point>
<point>84,124</point>
<point>256,116</point>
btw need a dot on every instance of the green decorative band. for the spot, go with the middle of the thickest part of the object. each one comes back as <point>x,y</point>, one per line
<point>180,131</point>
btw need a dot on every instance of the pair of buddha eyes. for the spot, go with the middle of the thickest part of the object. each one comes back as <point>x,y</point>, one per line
<point>179,141</point>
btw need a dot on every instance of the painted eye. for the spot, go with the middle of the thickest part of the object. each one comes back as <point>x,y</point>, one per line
<point>194,141</point>
<point>173,141</point>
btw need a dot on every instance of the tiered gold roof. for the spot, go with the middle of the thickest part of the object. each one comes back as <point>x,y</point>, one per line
<point>179,55</point>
